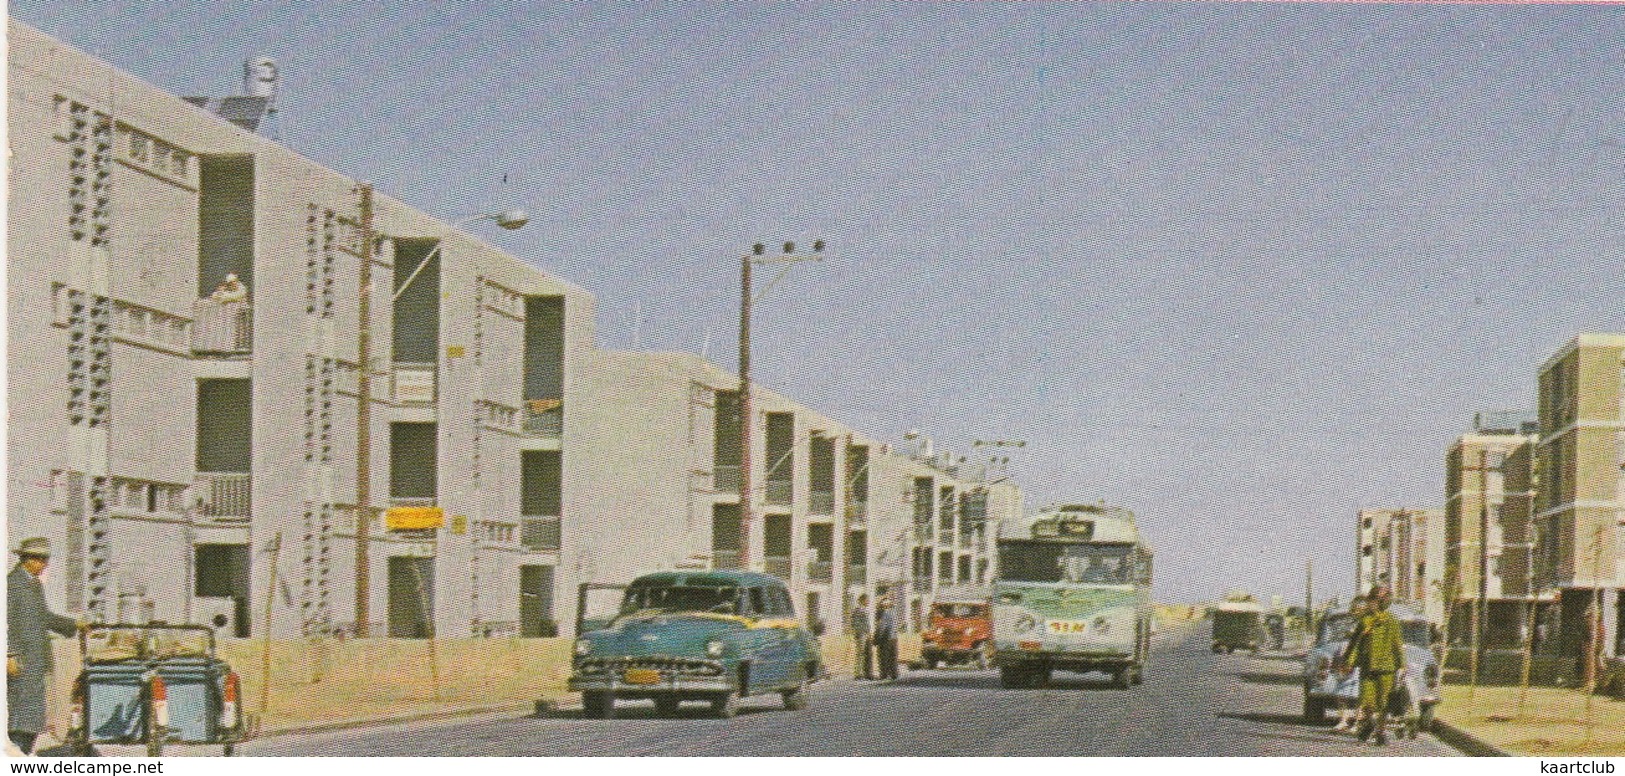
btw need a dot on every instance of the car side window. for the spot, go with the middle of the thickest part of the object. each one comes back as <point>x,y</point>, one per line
<point>782,607</point>
<point>754,605</point>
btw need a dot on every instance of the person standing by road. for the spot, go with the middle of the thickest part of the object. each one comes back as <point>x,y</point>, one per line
<point>886,638</point>
<point>1377,649</point>
<point>29,624</point>
<point>862,629</point>
<point>1348,680</point>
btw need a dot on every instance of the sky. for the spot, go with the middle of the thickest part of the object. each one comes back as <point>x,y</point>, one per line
<point>1242,268</point>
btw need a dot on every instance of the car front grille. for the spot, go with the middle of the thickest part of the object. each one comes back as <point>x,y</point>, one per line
<point>678,666</point>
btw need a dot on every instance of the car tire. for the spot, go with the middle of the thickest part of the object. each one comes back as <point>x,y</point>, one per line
<point>1121,678</point>
<point>1314,710</point>
<point>725,705</point>
<point>666,705</point>
<point>795,699</point>
<point>597,705</point>
<point>1217,649</point>
<point>1424,719</point>
<point>931,664</point>
<point>1138,676</point>
<point>1013,677</point>
<point>984,656</point>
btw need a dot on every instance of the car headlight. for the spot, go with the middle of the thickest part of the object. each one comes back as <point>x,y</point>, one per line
<point>583,647</point>
<point>713,648</point>
<point>1102,625</point>
<point>1025,623</point>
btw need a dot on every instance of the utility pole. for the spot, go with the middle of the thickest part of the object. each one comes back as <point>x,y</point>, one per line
<point>363,422</point>
<point>1309,601</point>
<point>756,256</point>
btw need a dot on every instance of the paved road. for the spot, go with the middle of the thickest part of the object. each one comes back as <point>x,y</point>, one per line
<point>1192,703</point>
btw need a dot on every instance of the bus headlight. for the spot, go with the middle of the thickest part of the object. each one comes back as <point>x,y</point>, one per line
<point>1102,625</point>
<point>1025,623</point>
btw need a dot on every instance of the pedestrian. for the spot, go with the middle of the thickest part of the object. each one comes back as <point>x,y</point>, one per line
<point>862,638</point>
<point>886,638</point>
<point>1377,649</point>
<point>29,624</point>
<point>1348,682</point>
<point>232,290</point>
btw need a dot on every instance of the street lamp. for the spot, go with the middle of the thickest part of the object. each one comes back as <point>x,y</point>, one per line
<point>507,219</point>
<point>758,255</point>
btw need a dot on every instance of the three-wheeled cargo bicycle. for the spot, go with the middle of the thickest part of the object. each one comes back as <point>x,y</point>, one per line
<point>153,684</point>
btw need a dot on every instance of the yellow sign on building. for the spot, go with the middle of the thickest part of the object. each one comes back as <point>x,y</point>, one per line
<point>414,518</point>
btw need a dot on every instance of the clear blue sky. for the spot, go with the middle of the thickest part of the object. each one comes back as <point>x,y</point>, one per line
<point>1242,268</point>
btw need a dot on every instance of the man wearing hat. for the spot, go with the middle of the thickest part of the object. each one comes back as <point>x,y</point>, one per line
<point>29,624</point>
<point>886,638</point>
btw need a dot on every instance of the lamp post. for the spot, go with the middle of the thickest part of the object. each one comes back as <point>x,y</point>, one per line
<point>508,219</point>
<point>757,255</point>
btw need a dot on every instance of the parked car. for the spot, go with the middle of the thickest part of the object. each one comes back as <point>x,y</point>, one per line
<point>960,630</point>
<point>712,636</point>
<point>1420,678</point>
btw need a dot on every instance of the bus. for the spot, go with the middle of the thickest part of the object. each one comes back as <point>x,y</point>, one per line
<point>1073,592</point>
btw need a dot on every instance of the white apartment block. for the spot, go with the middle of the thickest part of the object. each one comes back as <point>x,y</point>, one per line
<point>1403,549</point>
<point>181,448</point>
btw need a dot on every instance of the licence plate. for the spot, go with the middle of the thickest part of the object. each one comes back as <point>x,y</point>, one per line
<point>641,676</point>
<point>1065,626</point>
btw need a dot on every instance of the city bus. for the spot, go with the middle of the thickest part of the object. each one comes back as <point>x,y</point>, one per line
<point>1073,592</point>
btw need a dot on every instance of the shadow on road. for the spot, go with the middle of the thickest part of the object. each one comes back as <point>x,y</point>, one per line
<point>1256,677</point>
<point>982,680</point>
<point>1295,720</point>
<point>647,713</point>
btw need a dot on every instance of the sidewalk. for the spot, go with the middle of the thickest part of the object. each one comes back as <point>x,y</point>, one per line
<point>1553,721</point>
<point>311,719</point>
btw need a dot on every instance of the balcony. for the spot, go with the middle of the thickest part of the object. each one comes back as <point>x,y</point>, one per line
<point>857,575</point>
<point>540,533</point>
<point>821,502</point>
<point>725,559</point>
<point>967,541</point>
<point>923,533</point>
<point>222,328</point>
<point>414,383</point>
<point>725,478</point>
<point>496,533</point>
<point>820,571</point>
<point>778,492</point>
<point>857,512</point>
<point>223,497</point>
<point>412,533</point>
<point>922,585</point>
<point>544,418</point>
<point>777,566</point>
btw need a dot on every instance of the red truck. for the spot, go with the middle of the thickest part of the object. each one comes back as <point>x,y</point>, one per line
<point>959,632</point>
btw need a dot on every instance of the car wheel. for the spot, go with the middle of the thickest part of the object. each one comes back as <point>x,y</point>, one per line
<point>1013,677</point>
<point>984,656</point>
<point>1217,649</point>
<point>1424,719</point>
<point>1314,710</point>
<point>795,699</point>
<point>931,663</point>
<point>724,705</point>
<point>597,705</point>
<point>1121,678</point>
<point>1138,675</point>
<point>666,705</point>
<point>228,750</point>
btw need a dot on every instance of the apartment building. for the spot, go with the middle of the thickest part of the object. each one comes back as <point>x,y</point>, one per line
<point>175,444</point>
<point>1489,500</point>
<point>834,513</point>
<point>1579,523</point>
<point>1403,549</point>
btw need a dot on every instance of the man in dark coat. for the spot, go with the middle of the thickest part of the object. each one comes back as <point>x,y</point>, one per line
<point>29,624</point>
<point>862,626</point>
<point>886,638</point>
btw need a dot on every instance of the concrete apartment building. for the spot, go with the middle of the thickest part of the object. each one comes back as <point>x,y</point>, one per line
<point>177,445</point>
<point>1404,549</point>
<point>836,513</point>
<point>1489,501</point>
<point>1580,511</point>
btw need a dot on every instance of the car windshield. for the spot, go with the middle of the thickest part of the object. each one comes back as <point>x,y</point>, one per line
<point>959,611</point>
<point>1417,632</point>
<point>1055,562</point>
<point>681,598</point>
<point>1336,628</point>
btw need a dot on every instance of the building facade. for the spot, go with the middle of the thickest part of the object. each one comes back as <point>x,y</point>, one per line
<point>1403,549</point>
<point>204,422</point>
<point>1489,498</point>
<point>1580,512</point>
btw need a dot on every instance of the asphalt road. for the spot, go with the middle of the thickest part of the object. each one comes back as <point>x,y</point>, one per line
<point>1192,703</point>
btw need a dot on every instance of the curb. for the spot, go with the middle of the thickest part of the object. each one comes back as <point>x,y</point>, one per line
<point>1465,742</point>
<point>397,719</point>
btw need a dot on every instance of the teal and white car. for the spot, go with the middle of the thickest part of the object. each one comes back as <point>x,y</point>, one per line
<point>711,636</point>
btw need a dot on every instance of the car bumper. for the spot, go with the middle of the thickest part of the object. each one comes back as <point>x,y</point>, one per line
<point>676,683</point>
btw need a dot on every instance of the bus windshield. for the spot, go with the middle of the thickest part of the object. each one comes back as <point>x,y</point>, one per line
<point>1107,564</point>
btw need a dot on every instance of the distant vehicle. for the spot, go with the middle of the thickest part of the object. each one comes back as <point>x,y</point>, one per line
<point>1238,623</point>
<point>1074,593</point>
<point>713,636</point>
<point>960,630</point>
<point>1420,680</point>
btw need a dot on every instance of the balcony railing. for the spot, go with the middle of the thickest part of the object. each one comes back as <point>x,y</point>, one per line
<point>725,559</point>
<point>414,383</point>
<point>922,584</point>
<point>778,491</point>
<point>223,497</point>
<point>500,533</point>
<point>857,511</point>
<point>544,418</point>
<point>821,502</point>
<point>777,566</point>
<point>725,478</point>
<point>820,571</point>
<point>857,575</point>
<point>540,533</point>
<point>417,534</point>
<point>222,328</point>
